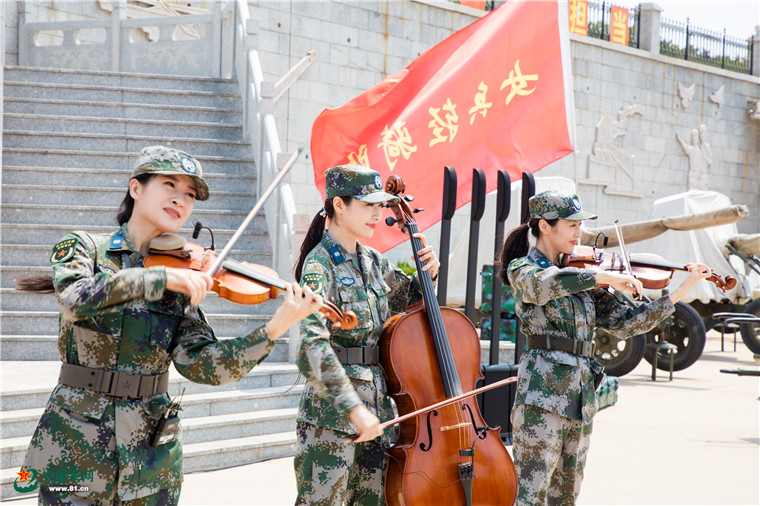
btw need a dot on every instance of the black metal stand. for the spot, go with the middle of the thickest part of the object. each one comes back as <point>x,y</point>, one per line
<point>477,208</point>
<point>449,206</point>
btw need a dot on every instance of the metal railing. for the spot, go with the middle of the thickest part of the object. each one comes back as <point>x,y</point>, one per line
<point>599,16</point>
<point>681,40</point>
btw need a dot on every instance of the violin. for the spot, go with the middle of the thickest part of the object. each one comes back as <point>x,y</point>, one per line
<point>239,282</point>
<point>652,270</point>
<point>431,357</point>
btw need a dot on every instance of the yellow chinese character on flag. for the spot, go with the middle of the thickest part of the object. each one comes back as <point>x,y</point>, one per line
<point>578,16</point>
<point>518,83</point>
<point>359,157</point>
<point>396,142</point>
<point>618,25</point>
<point>481,106</point>
<point>438,124</point>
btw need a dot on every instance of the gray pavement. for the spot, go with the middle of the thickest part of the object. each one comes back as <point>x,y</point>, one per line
<point>695,440</point>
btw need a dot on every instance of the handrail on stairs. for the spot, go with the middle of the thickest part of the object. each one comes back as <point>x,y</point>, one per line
<point>258,96</point>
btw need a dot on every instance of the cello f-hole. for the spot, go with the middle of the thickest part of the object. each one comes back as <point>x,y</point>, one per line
<point>481,433</point>
<point>430,433</point>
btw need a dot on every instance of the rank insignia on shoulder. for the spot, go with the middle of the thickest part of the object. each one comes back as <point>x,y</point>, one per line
<point>315,281</point>
<point>347,281</point>
<point>336,255</point>
<point>107,270</point>
<point>64,250</point>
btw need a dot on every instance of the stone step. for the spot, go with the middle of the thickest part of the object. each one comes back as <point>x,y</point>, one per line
<point>237,452</point>
<point>216,115</point>
<point>119,160</point>
<point>46,323</point>
<point>199,411</point>
<point>47,235</point>
<point>119,178</point>
<point>238,425</point>
<point>33,75</point>
<point>133,143</point>
<point>117,94</point>
<point>62,193</point>
<point>103,215</point>
<point>167,127</point>
<point>27,385</point>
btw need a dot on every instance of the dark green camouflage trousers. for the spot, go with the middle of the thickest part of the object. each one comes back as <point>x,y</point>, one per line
<point>331,471</point>
<point>549,454</point>
<point>165,497</point>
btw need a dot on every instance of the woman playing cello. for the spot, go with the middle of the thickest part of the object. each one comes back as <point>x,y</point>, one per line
<point>346,391</point>
<point>560,309</point>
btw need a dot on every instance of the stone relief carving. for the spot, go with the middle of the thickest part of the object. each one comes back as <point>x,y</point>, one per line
<point>718,98</point>
<point>699,153</point>
<point>753,112</point>
<point>608,158</point>
<point>686,94</point>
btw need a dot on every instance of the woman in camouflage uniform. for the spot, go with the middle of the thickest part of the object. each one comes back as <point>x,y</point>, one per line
<point>346,391</point>
<point>121,326</point>
<point>559,309</point>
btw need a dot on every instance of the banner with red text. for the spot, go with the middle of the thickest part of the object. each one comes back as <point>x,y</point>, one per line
<point>496,95</point>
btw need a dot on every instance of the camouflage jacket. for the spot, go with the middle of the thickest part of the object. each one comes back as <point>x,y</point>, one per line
<point>567,302</point>
<point>123,319</point>
<point>373,288</point>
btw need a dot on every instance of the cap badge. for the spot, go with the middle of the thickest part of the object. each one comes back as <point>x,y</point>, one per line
<point>576,204</point>
<point>378,182</point>
<point>188,165</point>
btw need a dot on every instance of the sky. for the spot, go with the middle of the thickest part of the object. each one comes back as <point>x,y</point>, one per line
<point>739,17</point>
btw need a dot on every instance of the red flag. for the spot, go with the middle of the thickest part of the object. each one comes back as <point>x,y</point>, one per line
<point>493,96</point>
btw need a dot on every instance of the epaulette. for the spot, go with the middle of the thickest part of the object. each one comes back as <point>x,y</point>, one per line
<point>519,263</point>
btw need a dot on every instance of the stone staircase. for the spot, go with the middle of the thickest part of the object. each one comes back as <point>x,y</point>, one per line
<point>69,141</point>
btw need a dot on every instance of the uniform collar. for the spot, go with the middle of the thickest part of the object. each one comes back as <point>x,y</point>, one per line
<point>538,256</point>
<point>120,240</point>
<point>337,252</point>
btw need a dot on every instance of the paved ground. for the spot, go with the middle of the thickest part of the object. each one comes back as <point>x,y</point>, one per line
<point>695,440</point>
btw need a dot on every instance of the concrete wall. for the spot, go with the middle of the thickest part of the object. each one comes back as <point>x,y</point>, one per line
<point>359,44</point>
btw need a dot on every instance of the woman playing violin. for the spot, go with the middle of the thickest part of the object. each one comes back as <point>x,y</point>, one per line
<point>121,326</point>
<point>346,391</point>
<point>560,309</point>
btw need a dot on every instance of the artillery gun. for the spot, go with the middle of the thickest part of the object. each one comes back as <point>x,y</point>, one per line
<point>708,235</point>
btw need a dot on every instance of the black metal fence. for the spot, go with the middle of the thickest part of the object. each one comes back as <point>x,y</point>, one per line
<point>599,17</point>
<point>680,40</point>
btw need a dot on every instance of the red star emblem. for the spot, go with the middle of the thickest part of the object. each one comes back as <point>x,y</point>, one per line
<point>23,475</point>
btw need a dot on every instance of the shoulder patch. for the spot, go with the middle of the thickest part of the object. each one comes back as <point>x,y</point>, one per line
<point>518,263</point>
<point>315,281</point>
<point>64,250</point>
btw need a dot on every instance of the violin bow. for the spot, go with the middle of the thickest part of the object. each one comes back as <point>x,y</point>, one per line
<point>264,196</point>
<point>441,404</point>
<point>624,257</point>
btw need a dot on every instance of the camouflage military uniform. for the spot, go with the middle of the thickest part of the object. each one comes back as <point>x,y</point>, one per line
<point>118,318</point>
<point>328,469</point>
<point>556,400</point>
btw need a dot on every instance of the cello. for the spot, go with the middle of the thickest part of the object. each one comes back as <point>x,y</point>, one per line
<point>431,354</point>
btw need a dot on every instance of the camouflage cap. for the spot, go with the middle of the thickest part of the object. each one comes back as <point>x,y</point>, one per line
<point>167,161</point>
<point>552,205</point>
<point>356,181</point>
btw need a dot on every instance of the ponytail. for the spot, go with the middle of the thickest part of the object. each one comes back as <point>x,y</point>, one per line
<point>314,235</point>
<point>517,244</point>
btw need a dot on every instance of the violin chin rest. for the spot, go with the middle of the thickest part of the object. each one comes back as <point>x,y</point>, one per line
<point>165,242</point>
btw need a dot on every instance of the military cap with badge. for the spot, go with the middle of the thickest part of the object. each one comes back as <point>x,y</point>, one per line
<point>170,161</point>
<point>553,205</point>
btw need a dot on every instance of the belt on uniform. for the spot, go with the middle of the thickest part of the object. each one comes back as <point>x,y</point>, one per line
<point>574,346</point>
<point>115,383</point>
<point>362,355</point>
